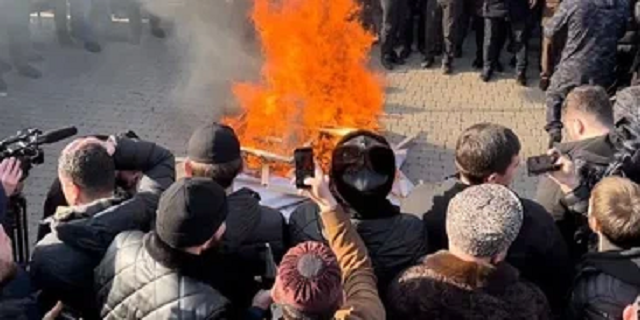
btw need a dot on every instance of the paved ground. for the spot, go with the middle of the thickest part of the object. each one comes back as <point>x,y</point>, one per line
<point>162,91</point>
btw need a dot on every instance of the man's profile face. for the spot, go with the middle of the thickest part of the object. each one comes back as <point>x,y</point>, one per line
<point>509,175</point>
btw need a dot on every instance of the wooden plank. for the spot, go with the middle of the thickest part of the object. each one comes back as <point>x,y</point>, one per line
<point>266,155</point>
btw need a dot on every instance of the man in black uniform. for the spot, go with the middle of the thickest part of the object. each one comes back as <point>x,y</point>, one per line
<point>14,26</point>
<point>500,17</point>
<point>393,15</point>
<point>593,28</point>
<point>449,14</point>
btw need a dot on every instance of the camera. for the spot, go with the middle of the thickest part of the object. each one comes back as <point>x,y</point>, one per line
<point>26,147</point>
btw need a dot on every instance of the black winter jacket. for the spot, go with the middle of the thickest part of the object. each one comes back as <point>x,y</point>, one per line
<point>140,277</point>
<point>394,242</point>
<point>63,262</point>
<point>539,252</point>
<point>598,151</point>
<point>251,226</point>
<point>606,283</point>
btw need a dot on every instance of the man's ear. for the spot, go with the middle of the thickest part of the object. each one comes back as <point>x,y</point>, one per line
<point>594,224</point>
<point>493,178</point>
<point>188,169</point>
<point>73,194</point>
<point>580,127</point>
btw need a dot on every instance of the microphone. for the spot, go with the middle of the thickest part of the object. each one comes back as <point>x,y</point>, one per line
<point>56,135</point>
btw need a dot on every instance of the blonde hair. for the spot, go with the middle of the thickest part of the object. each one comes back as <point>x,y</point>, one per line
<point>615,205</point>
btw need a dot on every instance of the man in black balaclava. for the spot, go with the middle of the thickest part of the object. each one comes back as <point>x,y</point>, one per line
<point>362,173</point>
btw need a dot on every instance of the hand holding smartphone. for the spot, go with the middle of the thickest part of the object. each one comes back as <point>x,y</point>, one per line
<point>542,164</point>
<point>304,166</point>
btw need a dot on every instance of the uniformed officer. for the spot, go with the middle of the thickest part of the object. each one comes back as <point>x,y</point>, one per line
<point>589,56</point>
<point>393,17</point>
<point>448,14</point>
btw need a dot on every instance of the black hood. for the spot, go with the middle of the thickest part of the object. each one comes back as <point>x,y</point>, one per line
<point>362,173</point>
<point>243,217</point>
<point>623,265</point>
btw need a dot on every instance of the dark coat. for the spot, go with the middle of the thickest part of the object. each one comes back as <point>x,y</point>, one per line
<point>17,299</point>
<point>606,283</point>
<point>539,252</point>
<point>140,277</point>
<point>394,242</point>
<point>446,287</point>
<point>251,226</point>
<point>62,262</point>
<point>514,10</point>
<point>598,151</point>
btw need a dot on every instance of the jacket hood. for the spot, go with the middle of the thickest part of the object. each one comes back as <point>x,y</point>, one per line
<point>363,171</point>
<point>598,150</point>
<point>394,243</point>
<point>623,265</point>
<point>243,217</point>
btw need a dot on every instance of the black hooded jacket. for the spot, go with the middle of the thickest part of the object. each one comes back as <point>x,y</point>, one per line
<point>595,152</point>
<point>395,241</point>
<point>250,226</point>
<point>606,283</point>
<point>539,252</point>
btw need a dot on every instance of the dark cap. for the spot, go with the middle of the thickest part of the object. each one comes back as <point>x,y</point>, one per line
<point>190,212</point>
<point>214,144</point>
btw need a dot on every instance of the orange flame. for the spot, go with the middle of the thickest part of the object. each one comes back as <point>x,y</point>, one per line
<point>315,76</point>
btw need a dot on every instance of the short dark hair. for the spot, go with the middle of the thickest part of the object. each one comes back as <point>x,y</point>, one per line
<point>484,149</point>
<point>615,204</point>
<point>592,100</point>
<point>223,174</point>
<point>90,167</point>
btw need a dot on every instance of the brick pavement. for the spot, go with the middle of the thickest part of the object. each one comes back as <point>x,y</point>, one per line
<point>143,88</point>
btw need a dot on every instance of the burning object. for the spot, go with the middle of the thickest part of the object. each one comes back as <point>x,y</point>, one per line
<point>315,85</point>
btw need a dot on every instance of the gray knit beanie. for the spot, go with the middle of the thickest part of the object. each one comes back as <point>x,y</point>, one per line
<point>483,220</point>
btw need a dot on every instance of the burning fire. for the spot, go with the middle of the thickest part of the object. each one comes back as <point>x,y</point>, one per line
<point>315,76</point>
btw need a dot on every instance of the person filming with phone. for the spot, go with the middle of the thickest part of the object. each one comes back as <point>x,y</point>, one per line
<point>588,120</point>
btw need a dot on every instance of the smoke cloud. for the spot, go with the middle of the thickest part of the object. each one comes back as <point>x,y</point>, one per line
<point>217,44</point>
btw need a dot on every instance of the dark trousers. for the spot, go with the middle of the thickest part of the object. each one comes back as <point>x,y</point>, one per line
<point>445,13</point>
<point>371,15</point>
<point>393,15</point>
<point>14,25</point>
<point>495,35</point>
<point>478,25</point>
<point>411,32</point>
<point>520,31</point>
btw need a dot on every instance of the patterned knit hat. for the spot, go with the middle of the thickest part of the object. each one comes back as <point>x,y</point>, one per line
<point>483,220</point>
<point>309,280</point>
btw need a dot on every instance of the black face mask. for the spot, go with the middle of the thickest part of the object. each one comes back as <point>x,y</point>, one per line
<point>363,170</point>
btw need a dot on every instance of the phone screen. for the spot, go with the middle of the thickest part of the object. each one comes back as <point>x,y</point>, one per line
<point>304,166</point>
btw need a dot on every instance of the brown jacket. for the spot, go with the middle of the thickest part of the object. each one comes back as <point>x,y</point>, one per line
<point>361,294</point>
<point>446,287</point>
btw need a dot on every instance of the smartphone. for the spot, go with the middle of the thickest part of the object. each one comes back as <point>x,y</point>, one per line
<point>541,164</point>
<point>304,166</point>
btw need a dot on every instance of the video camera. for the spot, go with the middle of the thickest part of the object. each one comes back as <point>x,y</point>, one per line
<point>26,147</point>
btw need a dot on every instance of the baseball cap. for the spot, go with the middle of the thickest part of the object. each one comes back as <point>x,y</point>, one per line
<point>190,212</point>
<point>214,144</point>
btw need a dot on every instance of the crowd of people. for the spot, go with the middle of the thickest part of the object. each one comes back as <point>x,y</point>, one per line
<point>85,17</point>
<point>129,232</point>
<point>593,42</point>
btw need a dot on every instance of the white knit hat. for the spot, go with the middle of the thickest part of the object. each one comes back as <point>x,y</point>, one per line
<point>484,220</point>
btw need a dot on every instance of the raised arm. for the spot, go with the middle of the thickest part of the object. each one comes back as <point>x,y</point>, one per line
<point>359,281</point>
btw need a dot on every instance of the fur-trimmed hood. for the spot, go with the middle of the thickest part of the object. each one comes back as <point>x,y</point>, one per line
<point>446,287</point>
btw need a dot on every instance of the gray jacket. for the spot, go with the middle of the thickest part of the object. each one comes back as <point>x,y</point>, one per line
<point>142,278</point>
